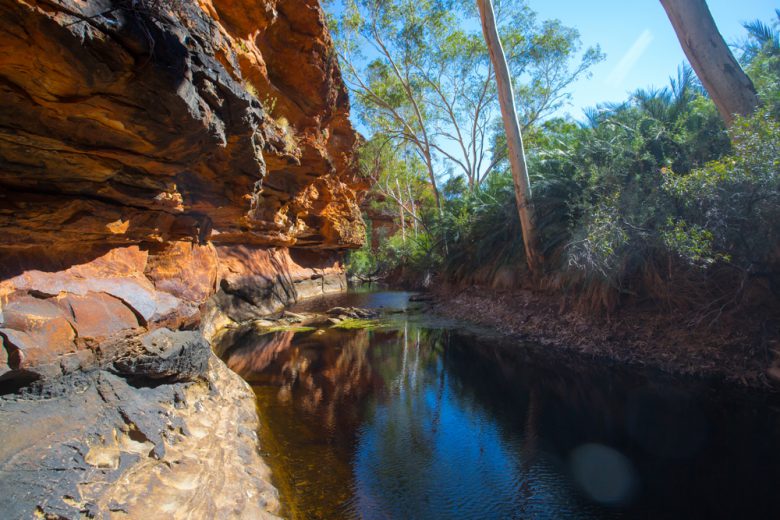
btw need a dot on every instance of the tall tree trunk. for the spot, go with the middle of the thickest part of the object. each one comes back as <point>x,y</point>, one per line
<point>715,65</point>
<point>401,210</point>
<point>432,177</point>
<point>514,137</point>
<point>414,208</point>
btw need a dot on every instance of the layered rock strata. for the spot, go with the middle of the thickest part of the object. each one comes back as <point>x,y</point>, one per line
<point>165,167</point>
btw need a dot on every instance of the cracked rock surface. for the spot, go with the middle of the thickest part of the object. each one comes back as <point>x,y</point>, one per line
<point>101,445</point>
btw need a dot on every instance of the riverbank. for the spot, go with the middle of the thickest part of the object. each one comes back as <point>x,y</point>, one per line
<point>744,352</point>
<point>419,416</point>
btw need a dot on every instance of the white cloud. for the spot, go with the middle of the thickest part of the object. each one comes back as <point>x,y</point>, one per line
<point>630,58</point>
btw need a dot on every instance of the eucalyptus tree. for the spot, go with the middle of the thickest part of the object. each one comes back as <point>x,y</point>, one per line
<point>397,176</point>
<point>720,73</point>
<point>514,136</point>
<point>380,45</point>
<point>420,74</point>
<point>542,62</point>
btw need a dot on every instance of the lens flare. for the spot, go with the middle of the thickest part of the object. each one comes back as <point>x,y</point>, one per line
<point>604,474</point>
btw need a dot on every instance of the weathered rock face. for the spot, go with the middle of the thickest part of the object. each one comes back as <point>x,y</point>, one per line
<point>382,224</point>
<point>149,121</point>
<point>155,153</point>
<point>102,445</point>
<point>164,165</point>
<point>57,322</point>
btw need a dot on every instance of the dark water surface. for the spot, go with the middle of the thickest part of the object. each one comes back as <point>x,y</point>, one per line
<point>422,420</point>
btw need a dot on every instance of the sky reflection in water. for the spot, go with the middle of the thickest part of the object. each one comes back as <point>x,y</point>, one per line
<point>418,422</point>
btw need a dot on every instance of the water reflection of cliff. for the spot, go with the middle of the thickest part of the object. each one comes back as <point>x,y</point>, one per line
<point>248,354</point>
<point>315,391</point>
<point>320,371</point>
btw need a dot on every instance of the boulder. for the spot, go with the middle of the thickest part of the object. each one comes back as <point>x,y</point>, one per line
<point>165,354</point>
<point>98,315</point>
<point>39,329</point>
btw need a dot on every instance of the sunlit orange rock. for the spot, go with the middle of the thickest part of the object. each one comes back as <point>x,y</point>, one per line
<point>39,329</point>
<point>258,150</point>
<point>187,271</point>
<point>214,120</point>
<point>153,156</point>
<point>164,165</point>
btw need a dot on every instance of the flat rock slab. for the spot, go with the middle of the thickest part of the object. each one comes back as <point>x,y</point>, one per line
<point>344,313</point>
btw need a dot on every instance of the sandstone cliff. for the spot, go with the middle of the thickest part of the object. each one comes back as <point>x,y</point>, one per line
<point>164,165</point>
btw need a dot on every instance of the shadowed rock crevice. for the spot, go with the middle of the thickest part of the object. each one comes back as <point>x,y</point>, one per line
<point>163,356</point>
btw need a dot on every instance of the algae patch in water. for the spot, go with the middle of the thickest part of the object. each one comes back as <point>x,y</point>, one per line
<point>288,328</point>
<point>357,324</point>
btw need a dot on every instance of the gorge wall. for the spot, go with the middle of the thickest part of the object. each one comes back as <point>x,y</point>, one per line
<point>166,167</point>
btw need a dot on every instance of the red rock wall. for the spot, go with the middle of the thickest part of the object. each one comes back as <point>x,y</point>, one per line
<point>54,322</point>
<point>156,156</point>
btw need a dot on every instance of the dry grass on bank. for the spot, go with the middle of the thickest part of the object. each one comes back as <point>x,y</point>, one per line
<point>743,351</point>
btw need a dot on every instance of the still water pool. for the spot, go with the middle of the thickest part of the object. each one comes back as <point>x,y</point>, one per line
<point>422,419</point>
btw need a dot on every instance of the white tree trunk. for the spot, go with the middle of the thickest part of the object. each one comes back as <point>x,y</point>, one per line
<point>715,65</point>
<point>414,209</point>
<point>401,210</point>
<point>514,137</point>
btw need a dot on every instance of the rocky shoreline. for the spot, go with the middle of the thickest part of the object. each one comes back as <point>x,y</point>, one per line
<point>119,442</point>
<point>140,420</point>
<point>742,354</point>
<point>167,170</point>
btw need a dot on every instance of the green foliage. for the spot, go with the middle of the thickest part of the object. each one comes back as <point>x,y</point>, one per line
<point>733,205</point>
<point>362,262</point>
<point>651,198</point>
<point>357,324</point>
<point>691,242</point>
<point>761,58</point>
<point>724,213</point>
<point>420,75</point>
<point>287,328</point>
<point>612,209</point>
<point>604,238</point>
<point>482,228</point>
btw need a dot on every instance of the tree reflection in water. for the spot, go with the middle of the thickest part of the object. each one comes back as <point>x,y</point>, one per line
<point>411,422</point>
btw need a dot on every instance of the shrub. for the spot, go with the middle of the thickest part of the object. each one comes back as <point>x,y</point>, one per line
<point>731,207</point>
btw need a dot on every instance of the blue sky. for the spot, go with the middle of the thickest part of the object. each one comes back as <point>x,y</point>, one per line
<point>641,47</point>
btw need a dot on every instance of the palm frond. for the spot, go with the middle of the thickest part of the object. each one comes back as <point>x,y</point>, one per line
<point>762,33</point>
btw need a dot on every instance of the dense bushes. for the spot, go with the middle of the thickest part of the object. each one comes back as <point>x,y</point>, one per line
<point>650,200</point>
<point>730,209</point>
<point>682,236</point>
<point>619,221</point>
